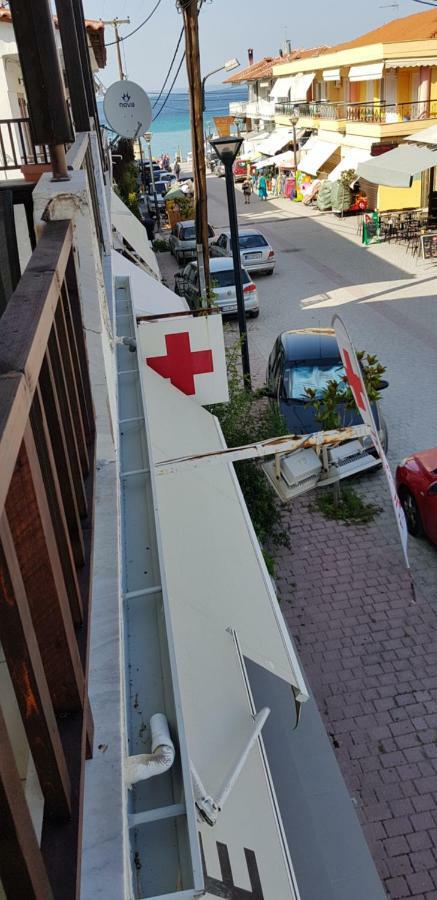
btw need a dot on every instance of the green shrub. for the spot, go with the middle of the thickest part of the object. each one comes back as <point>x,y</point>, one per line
<point>161,246</point>
<point>246,419</point>
<point>349,507</point>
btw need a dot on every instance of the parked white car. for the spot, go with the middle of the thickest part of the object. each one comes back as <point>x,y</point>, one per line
<point>255,251</point>
<point>182,240</point>
<point>222,280</point>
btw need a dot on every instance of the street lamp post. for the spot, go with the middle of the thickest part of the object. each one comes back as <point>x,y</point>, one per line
<point>294,120</point>
<point>148,137</point>
<point>226,149</point>
<point>228,66</point>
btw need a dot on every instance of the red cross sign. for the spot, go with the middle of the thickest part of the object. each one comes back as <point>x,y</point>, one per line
<point>189,353</point>
<point>355,381</point>
<point>181,363</point>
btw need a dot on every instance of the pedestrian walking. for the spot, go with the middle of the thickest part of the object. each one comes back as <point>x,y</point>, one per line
<point>262,188</point>
<point>247,190</point>
<point>177,169</point>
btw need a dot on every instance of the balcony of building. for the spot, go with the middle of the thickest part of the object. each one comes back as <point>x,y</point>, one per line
<point>254,109</point>
<point>377,119</point>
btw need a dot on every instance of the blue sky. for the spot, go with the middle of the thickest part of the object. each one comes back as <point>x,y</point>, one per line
<point>229,27</point>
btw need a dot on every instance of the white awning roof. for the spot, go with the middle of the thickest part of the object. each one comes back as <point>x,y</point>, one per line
<point>281,159</point>
<point>425,136</point>
<point>133,231</point>
<point>398,167</point>
<point>410,63</point>
<point>318,154</point>
<point>149,296</point>
<point>331,75</point>
<point>350,161</point>
<point>281,87</point>
<point>276,142</point>
<point>215,582</point>
<point>292,87</point>
<point>369,72</point>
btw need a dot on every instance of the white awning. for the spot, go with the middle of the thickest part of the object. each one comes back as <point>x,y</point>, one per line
<point>369,72</point>
<point>410,63</point>
<point>215,584</point>
<point>331,75</point>
<point>317,155</point>
<point>149,296</point>
<point>397,168</point>
<point>133,232</point>
<point>350,161</point>
<point>281,87</point>
<point>276,142</point>
<point>425,136</point>
<point>280,159</point>
<point>292,87</point>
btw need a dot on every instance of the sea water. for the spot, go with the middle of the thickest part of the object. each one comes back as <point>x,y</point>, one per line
<point>171,128</point>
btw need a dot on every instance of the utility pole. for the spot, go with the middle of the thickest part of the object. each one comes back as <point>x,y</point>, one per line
<point>190,12</point>
<point>115,23</point>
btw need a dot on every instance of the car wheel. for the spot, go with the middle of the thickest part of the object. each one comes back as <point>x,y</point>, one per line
<point>254,314</point>
<point>270,271</point>
<point>412,514</point>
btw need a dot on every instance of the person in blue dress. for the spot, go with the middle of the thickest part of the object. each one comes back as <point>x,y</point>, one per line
<point>262,188</point>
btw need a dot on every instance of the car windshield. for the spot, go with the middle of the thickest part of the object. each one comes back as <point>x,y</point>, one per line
<point>161,187</point>
<point>188,234</point>
<point>225,278</point>
<point>252,240</point>
<point>311,375</point>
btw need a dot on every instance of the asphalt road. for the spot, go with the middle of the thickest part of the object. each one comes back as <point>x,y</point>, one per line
<point>387,300</point>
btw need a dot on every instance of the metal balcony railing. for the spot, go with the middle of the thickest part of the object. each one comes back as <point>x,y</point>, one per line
<point>16,146</point>
<point>378,113</point>
<point>47,461</point>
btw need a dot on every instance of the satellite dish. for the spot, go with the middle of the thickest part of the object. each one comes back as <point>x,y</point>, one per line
<point>127,109</point>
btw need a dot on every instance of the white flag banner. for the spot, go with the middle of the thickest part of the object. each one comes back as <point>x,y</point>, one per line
<point>355,379</point>
<point>189,351</point>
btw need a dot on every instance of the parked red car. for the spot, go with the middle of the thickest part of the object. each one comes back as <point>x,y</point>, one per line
<point>416,481</point>
<point>240,170</point>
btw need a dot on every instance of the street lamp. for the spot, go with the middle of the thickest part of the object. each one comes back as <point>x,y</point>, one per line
<point>294,118</point>
<point>148,137</point>
<point>228,66</point>
<point>226,149</point>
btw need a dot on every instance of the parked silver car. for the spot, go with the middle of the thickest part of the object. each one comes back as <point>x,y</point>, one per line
<point>255,251</point>
<point>222,284</point>
<point>182,240</point>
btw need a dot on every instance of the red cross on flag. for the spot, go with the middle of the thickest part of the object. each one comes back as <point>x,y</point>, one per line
<point>188,351</point>
<point>355,379</point>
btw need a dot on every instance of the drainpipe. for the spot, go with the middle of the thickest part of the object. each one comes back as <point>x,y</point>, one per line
<point>147,765</point>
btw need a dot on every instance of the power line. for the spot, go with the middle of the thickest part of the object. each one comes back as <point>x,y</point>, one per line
<point>169,69</point>
<point>141,25</point>
<point>171,87</point>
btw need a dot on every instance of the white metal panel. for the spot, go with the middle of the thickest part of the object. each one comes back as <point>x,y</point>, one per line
<point>149,296</point>
<point>133,232</point>
<point>369,72</point>
<point>319,153</point>
<point>216,580</point>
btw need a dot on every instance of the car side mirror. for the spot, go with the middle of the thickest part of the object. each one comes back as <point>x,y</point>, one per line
<point>382,384</point>
<point>432,490</point>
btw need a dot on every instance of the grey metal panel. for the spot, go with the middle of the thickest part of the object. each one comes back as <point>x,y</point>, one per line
<point>161,853</point>
<point>330,855</point>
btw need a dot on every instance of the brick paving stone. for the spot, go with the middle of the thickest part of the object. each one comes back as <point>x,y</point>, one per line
<point>370,656</point>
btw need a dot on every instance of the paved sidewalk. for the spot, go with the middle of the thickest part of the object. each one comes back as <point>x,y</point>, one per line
<point>370,654</point>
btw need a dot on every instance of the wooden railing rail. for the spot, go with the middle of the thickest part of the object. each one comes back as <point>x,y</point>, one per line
<point>46,516</point>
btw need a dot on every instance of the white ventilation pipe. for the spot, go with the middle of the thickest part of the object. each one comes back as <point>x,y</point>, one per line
<point>147,765</point>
